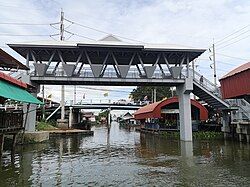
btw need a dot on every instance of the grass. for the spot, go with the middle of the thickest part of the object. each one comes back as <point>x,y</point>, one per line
<point>43,126</point>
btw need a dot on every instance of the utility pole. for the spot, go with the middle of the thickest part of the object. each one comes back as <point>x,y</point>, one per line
<point>43,112</point>
<point>62,88</point>
<point>172,91</point>
<point>215,76</point>
<point>154,94</point>
<point>74,94</point>
<point>193,67</point>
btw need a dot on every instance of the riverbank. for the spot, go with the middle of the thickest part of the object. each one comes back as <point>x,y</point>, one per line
<point>174,134</point>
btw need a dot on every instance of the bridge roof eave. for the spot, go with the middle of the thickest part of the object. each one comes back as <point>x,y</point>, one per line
<point>105,81</point>
<point>21,48</point>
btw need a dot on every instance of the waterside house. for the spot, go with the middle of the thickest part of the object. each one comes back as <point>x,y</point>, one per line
<point>164,115</point>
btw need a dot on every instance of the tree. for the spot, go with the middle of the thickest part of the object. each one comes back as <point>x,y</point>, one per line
<point>139,93</point>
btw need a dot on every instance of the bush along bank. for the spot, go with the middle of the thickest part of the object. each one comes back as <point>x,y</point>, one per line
<point>202,135</point>
<point>43,126</point>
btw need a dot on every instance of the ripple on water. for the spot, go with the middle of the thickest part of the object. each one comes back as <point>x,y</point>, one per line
<point>123,158</point>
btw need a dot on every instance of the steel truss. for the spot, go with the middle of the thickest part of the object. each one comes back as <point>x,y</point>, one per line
<point>144,65</point>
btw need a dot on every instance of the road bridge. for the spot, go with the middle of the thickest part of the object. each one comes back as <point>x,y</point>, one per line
<point>112,62</point>
<point>105,106</point>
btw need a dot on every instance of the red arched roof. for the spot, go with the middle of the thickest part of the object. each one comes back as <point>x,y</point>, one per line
<point>154,110</point>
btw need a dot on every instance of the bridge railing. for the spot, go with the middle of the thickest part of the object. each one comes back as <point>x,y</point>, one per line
<point>100,101</point>
<point>205,82</point>
<point>110,72</point>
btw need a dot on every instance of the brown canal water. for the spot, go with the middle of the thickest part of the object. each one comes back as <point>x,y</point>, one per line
<point>126,158</point>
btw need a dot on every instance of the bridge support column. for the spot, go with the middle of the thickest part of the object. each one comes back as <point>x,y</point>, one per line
<point>183,92</point>
<point>29,117</point>
<point>226,124</point>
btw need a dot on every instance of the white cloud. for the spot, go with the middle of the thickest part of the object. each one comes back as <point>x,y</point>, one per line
<point>192,23</point>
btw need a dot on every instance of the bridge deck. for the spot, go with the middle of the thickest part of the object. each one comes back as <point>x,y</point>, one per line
<point>105,81</point>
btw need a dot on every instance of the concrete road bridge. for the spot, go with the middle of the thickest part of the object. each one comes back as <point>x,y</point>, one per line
<point>112,62</point>
<point>105,106</point>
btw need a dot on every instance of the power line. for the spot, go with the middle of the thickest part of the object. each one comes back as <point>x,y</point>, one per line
<point>6,34</point>
<point>101,31</point>
<point>75,34</point>
<point>203,67</point>
<point>232,34</point>
<point>234,37</point>
<point>234,42</point>
<point>232,57</point>
<point>106,90</point>
<point>225,63</point>
<point>217,61</point>
<point>22,23</point>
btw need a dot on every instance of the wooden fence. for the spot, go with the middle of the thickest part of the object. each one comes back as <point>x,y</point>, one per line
<point>11,120</point>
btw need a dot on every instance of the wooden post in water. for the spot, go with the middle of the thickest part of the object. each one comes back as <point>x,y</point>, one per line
<point>108,119</point>
<point>1,144</point>
<point>14,142</point>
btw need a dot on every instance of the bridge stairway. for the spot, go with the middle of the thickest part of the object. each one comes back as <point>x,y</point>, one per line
<point>243,112</point>
<point>208,92</point>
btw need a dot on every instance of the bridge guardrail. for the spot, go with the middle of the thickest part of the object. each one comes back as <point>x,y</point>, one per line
<point>86,72</point>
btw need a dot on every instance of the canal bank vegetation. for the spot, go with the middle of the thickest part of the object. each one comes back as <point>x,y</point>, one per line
<point>102,117</point>
<point>201,135</point>
<point>43,126</point>
<point>140,92</point>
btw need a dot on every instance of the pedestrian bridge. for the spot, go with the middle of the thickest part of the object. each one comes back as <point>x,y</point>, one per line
<point>112,62</point>
<point>109,61</point>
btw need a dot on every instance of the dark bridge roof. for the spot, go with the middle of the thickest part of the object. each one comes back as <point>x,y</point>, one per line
<point>70,50</point>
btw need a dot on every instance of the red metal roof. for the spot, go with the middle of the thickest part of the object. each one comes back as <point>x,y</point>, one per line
<point>237,70</point>
<point>12,80</point>
<point>154,110</point>
<point>8,61</point>
<point>236,84</point>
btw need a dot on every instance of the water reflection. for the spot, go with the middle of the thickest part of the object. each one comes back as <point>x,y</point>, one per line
<point>121,157</point>
<point>186,149</point>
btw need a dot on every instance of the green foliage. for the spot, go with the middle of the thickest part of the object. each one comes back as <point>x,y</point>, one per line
<point>207,135</point>
<point>174,135</point>
<point>202,135</point>
<point>41,126</point>
<point>102,114</point>
<point>140,92</point>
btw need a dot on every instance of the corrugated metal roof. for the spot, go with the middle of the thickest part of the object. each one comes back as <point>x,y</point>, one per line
<point>12,80</point>
<point>148,108</point>
<point>109,41</point>
<point>154,110</point>
<point>8,61</point>
<point>237,70</point>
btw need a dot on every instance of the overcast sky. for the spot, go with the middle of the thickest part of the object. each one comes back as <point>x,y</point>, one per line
<point>186,22</point>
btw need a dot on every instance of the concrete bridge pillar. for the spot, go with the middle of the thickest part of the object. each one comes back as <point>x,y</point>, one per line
<point>29,117</point>
<point>183,92</point>
<point>29,110</point>
<point>226,124</point>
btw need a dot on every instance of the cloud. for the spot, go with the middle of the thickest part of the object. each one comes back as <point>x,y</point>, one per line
<point>193,23</point>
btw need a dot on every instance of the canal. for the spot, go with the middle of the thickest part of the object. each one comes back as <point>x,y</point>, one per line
<point>126,158</point>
